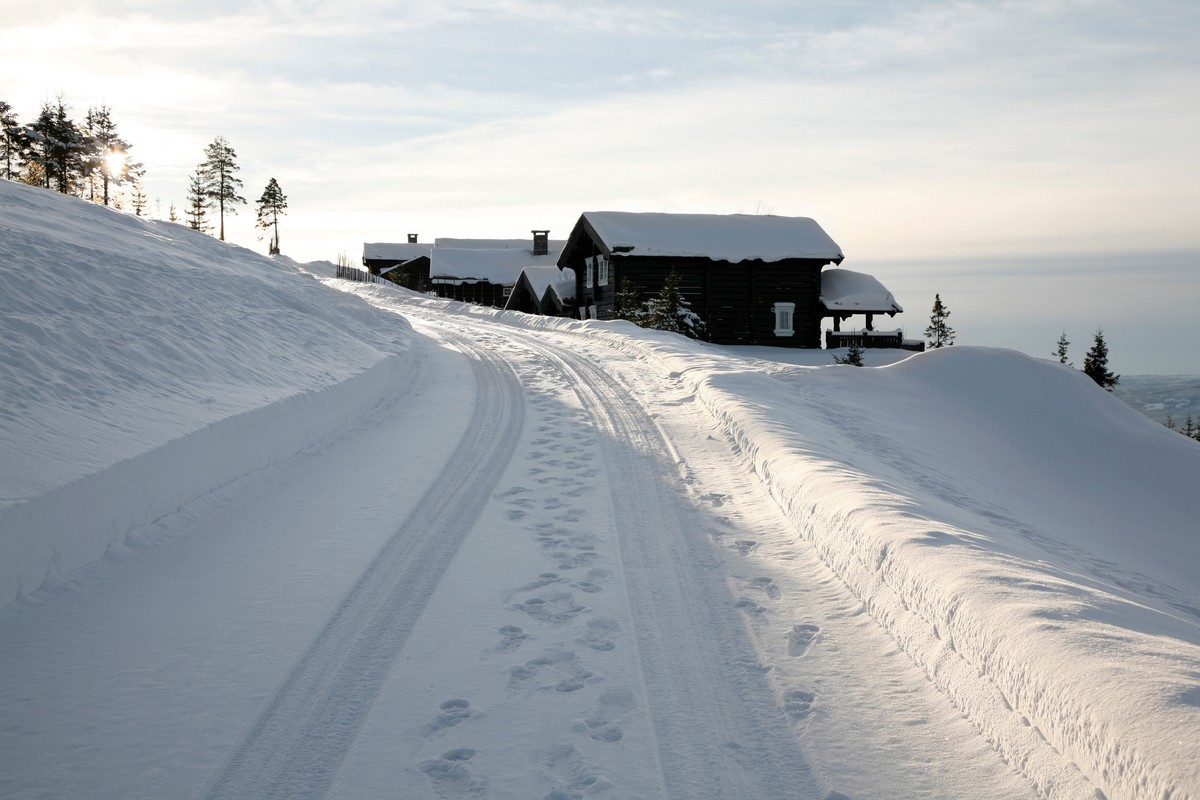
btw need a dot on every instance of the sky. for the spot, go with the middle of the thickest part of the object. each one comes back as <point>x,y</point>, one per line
<point>1033,163</point>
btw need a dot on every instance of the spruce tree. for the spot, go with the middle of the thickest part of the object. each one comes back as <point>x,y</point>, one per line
<point>670,311</point>
<point>939,333</point>
<point>139,199</point>
<point>11,141</point>
<point>1095,364</point>
<point>107,156</point>
<point>628,301</point>
<point>56,145</point>
<point>271,205</point>
<point>218,173</point>
<point>853,357</point>
<point>1061,352</point>
<point>197,204</point>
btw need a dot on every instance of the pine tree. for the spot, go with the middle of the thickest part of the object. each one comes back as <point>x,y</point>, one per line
<point>1095,364</point>
<point>139,199</point>
<point>853,357</point>
<point>628,301</point>
<point>271,205</point>
<point>1170,423</point>
<point>197,207</point>
<point>56,145</point>
<point>939,333</point>
<point>1061,352</point>
<point>670,311</point>
<point>107,154</point>
<point>1189,427</point>
<point>172,214</point>
<point>12,141</point>
<point>218,174</point>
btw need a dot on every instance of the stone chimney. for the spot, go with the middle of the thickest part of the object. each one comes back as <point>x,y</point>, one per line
<point>412,238</point>
<point>541,243</point>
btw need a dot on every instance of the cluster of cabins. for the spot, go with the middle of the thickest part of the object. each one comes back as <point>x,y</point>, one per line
<point>753,279</point>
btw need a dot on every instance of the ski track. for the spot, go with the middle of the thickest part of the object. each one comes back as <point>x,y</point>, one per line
<point>718,728</point>
<point>297,744</point>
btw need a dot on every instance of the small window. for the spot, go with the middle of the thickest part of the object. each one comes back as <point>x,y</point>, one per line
<point>784,313</point>
<point>587,272</point>
<point>602,270</point>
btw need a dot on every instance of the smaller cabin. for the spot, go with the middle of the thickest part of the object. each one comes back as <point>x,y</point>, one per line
<point>486,271</point>
<point>405,263</point>
<point>545,290</point>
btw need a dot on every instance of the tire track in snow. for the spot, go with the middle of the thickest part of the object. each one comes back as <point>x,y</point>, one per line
<point>718,728</point>
<point>295,747</point>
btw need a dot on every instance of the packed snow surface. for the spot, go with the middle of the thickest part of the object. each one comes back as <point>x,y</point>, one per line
<point>721,237</point>
<point>268,534</point>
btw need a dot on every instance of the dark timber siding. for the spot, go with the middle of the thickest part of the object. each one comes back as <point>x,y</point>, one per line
<point>735,299</point>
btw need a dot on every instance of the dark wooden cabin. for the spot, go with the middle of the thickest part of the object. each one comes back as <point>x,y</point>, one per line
<point>404,263</point>
<point>754,279</point>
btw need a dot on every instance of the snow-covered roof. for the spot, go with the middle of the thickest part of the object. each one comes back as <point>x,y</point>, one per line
<point>856,292</point>
<point>721,237</point>
<point>556,245</point>
<point>395,251</point>
<point>541,277</point>
<point>564,286</point>
<point>492,265</point>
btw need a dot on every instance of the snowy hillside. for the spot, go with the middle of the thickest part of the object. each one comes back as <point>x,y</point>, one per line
<point>268,534</point>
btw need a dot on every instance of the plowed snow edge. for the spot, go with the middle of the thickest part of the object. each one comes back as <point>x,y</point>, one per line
<point>73,525</point>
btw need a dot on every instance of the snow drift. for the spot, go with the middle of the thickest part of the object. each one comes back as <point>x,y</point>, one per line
<point>144,364</point>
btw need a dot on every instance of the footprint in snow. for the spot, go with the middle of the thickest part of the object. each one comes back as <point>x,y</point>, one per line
<point>450,777</point>
<point>511,637</point>
<point>601,725</point>
<point>767,585</point>
<point>453,713</point>
<point>556,608</point>
<point>599,633</point>
<point>559,671</point>
<point>799,639</point>
<point>749,606</point>
<point>798,704</point>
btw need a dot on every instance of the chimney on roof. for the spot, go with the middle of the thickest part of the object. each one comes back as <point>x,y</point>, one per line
<point>541,243</point>
<point>412,238</point>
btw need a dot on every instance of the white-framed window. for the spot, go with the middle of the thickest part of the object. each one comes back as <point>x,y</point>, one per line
<point>587,272</point>
<point>602,270</point>
<point>784,318</point>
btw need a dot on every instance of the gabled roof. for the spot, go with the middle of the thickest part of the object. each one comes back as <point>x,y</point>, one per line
<point>548,285</point>
<point>720,237</point>
<point>395,251</point>
<point>856,293</point>
<point>540,278</point>
<point>461,264</point>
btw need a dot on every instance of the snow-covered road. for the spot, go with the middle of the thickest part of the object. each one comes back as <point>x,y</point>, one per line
<point>567,593</point>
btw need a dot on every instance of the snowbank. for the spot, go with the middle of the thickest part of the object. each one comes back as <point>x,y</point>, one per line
<point>1027,539</point>
<point>144,364</point>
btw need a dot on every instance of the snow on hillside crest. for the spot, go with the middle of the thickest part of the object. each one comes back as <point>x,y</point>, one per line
<point>1024,537</point>
<point>123,336</point>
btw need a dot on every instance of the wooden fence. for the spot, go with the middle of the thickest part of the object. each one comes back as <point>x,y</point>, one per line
<point>349,273</point>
